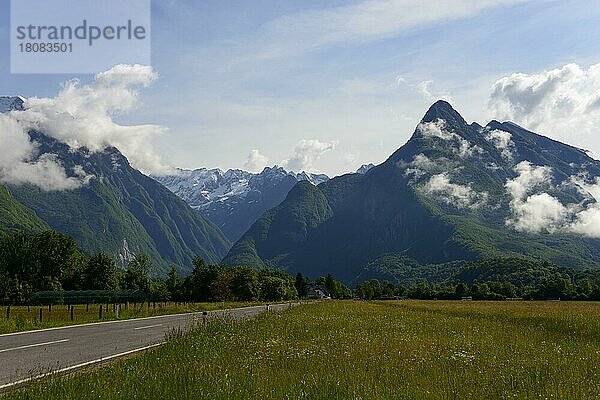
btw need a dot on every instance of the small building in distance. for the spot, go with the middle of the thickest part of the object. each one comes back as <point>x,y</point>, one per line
<point>317,292</point>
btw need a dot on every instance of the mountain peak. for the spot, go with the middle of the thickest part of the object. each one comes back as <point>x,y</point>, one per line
<point>274,169</point>
<point>365,168</point>
<point>441,109</point>
<point>494,124</point>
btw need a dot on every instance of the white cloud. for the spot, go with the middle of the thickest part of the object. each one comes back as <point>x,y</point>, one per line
<point>435,128</point>
<point>420,166</point>
<point>256,161</point>
<point>83,116</point>
<point>423,162</point>
<point>466,149</point>
<point>563,102</point>
<point>438,128</point>
<point>307,151</point>
<point>503,142</point>
<point>536,212</point>
<point>20,163</point>
<point>540,211</point>
<point>360,22</point>
<point>529,177</point>
<point>587,221</point>
<point>454,194</point>
<point>223,66</point>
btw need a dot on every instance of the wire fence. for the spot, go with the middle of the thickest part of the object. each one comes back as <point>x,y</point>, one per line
<point>87,297</point>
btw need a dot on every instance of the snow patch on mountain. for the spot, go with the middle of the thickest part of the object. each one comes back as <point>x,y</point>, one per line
<point>235,198</point>
<point>202,187</point>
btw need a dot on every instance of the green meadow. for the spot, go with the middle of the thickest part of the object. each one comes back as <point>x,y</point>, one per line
<point>364,350</point>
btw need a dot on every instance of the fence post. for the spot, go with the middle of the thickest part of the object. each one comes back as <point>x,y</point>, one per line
<point>50,307</point>
<point>100,312</point>
<point>41,314</point>
<point>8,312</point>
<point>28,309</point>
<point>117,310</point>
<point>72,310</point>
<point>87,307</point>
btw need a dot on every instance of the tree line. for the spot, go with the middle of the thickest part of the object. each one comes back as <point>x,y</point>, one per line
<point>51,261</point>
<point>556,287</point>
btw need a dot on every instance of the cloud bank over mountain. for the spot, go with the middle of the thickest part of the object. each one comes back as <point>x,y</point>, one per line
<point>255,161</point>
<point>80,116</point>
<point>535,210</point>
<point>19,163</point>
<point>562,102</point>
<point>461,196</point>
<point>307,151</point>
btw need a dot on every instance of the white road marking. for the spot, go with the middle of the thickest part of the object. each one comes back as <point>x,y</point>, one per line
<point>85,364</point>
<point>34,345</point>
<point>147,327</point>
<point>110,357</point>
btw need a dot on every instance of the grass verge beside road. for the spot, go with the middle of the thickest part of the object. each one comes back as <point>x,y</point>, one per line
<point>360,350</point>
<point>22,318</point>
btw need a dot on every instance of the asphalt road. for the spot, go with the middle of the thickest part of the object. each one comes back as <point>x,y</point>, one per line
<point>30,355</point>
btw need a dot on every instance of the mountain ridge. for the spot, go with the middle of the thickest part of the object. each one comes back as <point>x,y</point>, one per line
<point>121,208</point>
<point>234,199</point>
<point>443,196</point>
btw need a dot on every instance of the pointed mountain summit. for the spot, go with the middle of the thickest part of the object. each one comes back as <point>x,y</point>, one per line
<point>442,129</point>
<point>441,109</point>
<point>441,199</point>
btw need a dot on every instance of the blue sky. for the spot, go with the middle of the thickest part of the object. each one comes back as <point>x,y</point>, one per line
<point>328,86</point>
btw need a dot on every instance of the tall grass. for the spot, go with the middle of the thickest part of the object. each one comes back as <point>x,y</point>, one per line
<point>23,318</point>
<point>359,350</point>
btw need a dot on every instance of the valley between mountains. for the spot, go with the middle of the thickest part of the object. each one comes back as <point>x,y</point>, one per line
<point>455,192</point>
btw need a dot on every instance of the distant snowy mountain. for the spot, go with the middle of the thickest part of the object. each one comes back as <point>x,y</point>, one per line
<point>315,179</point>
<point>235,199</point>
